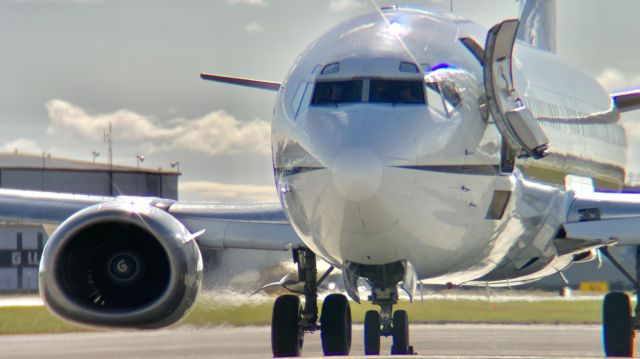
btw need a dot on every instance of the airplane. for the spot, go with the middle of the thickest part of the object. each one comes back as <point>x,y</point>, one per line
<point>409,145</point>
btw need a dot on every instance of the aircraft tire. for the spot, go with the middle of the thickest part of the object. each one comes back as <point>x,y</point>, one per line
<point>372,333</point>
<point>335,325</point>
<point>287,337</point>
<point>401,334</point>
<point>617,325</point>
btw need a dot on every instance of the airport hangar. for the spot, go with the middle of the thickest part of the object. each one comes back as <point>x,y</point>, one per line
<point>21,243</point>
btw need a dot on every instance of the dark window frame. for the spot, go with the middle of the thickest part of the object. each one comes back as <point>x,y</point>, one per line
<point>394,95</point>
<point>417,97</point>
<point>321,99</point>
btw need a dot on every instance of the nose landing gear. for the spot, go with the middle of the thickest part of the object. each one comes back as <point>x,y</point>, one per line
<point>383,323</point>
<point>384,292</point>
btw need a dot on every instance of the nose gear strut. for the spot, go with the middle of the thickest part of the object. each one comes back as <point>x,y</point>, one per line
<point>384,280</point>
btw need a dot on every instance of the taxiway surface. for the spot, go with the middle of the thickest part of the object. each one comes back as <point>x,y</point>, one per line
<point>437,341</point>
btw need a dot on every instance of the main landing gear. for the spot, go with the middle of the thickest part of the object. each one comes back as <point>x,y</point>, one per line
<point>618,322</point>
<point>291,320</point>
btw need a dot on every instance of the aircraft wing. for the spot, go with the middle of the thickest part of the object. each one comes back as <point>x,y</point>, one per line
<point>255,226</point>
<point>604,218</point>
<point>627,100</point>
<point>44,207</point>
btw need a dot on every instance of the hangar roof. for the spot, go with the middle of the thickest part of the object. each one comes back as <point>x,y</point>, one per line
<point>29,161</point>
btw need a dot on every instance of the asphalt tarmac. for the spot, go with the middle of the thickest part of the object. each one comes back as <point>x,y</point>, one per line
<point>430,341</point>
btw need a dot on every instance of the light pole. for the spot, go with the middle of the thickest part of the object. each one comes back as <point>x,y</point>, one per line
<point>139,158</point>
<point>95,154</point>
<point>176,165</point>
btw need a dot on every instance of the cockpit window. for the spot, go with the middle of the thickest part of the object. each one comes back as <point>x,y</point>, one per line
<point>333,68</point>
<point>334,92</point>
<point>447,90</point>
<point>408,67</point>
<point>396,91</point>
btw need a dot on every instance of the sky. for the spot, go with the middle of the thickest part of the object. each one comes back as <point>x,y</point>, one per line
<point>69,67</point>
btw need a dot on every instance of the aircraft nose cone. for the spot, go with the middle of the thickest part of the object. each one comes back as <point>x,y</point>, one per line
<point>356,174</point>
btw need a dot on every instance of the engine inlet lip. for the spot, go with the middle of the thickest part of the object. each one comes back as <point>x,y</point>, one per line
<point>157,223</point>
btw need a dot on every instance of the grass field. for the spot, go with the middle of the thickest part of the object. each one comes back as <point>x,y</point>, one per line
<point>22,320</point>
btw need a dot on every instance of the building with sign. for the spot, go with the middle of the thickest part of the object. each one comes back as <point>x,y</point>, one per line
<point>20,249</point>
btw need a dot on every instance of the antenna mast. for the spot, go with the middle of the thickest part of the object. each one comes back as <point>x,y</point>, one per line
<point>108,140</point>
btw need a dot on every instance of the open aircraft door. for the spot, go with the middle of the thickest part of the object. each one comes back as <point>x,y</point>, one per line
<point>522,136</point>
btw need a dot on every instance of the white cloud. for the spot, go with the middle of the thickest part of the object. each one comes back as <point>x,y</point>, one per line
<point>344,5</point>
<point>219,132</point>
<point>223,192</point>
<point>248,2</point>
<point>254,28</point>
<point>21,145</point>
<point>69,119</point>
<point>213,134</point>
<point>614,80</point>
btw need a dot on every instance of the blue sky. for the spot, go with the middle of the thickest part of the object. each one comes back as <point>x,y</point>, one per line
<point>68,67</point>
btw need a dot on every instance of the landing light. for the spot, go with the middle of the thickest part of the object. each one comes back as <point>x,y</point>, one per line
<point>397,29</point>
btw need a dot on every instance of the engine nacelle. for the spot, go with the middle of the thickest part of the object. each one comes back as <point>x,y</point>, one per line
<point>124,264</point>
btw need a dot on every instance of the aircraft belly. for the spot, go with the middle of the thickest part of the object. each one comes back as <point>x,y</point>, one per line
<point>437,221</point>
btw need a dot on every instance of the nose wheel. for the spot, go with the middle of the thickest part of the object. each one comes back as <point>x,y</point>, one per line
<point>372,333</point>
<point>401,334</point>
<point>399,331</point>
<point>386,322</point>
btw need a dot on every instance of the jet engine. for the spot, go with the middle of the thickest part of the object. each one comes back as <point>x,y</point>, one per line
<point>123,264</point>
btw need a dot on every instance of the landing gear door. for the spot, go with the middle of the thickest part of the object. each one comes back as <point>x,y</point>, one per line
<point>519,129</point>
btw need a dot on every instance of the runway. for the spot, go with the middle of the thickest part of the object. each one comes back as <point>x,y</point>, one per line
<point>430,341</point>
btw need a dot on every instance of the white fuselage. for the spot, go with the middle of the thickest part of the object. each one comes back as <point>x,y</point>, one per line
<point>374,183</point>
